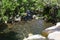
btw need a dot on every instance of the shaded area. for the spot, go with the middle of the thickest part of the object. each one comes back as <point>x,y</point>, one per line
<point>3,26</point>
<point>6,33</point>
<point>8,36</point>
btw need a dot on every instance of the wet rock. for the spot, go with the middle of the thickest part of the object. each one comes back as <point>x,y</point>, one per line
<point>35,37</point>
<point>51,29</point>
<point>54,36</point>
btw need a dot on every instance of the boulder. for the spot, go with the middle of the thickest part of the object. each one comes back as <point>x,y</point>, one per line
<point>51,29</point>
<point>35,37</point>
<point>54,36</point>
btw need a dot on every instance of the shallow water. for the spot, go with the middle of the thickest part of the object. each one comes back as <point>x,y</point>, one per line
<point>34,26</point>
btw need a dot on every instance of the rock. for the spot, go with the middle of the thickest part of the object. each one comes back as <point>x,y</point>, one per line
<point>35,37</point>
<point>18,19</point>
<point>25,38</point>
<point>35,17</point>
<point>54,36</point>
<point>6,22</point>
<point>51,29</point>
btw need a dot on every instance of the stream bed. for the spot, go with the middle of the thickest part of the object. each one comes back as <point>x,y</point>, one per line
<point>34,27</point>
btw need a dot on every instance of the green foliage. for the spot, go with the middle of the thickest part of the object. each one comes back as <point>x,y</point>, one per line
<point>9,4</point>
<point>58,14</point>
<point>22,5</point>
<point>5,18</point>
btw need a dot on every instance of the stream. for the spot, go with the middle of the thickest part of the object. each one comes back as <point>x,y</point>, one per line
<point>34,27</point>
